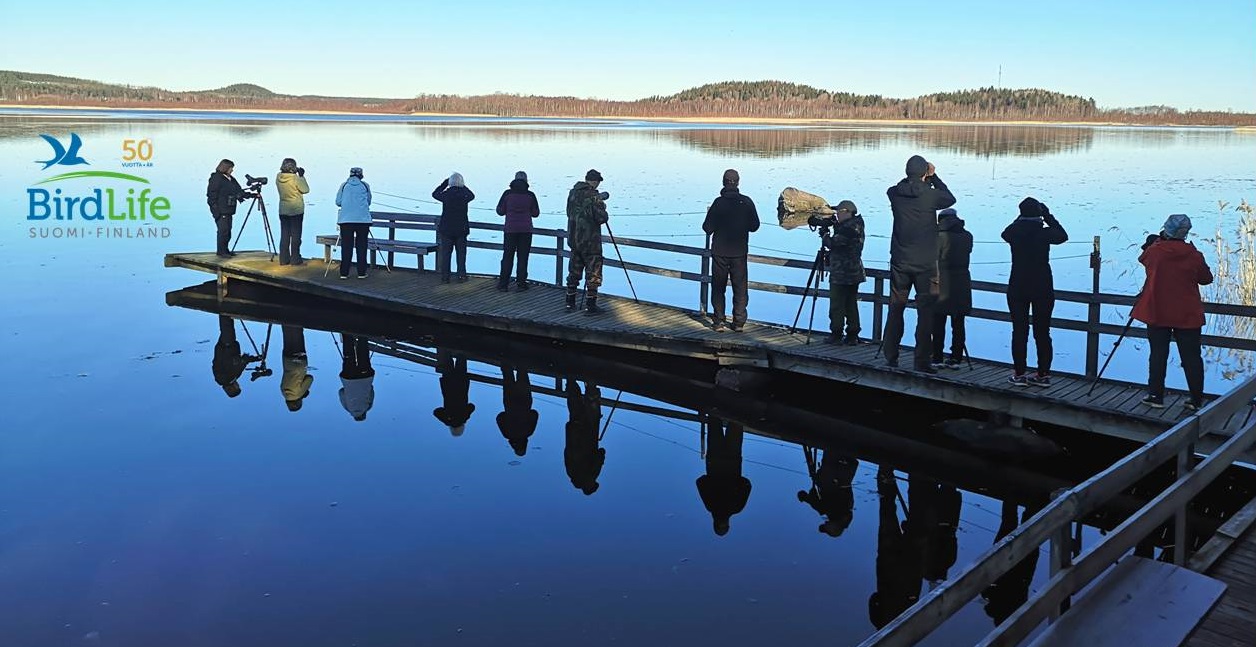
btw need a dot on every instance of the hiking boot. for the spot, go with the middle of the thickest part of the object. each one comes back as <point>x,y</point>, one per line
<point>1018,379</point>
<point>718,326</point>
<point>1193,405</point>
<point>1153,401</point>
<point>571,301</point>
<point>521,286</point>
<point>851,340</point>
<point>590,306</point>
<point>891,362</point>
<point>737,327</point>
<point>1040,379</point>
<point>835,340</point>
<point>502,287</point>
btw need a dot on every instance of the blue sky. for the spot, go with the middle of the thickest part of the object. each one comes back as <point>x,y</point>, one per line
<point>1122,53</point>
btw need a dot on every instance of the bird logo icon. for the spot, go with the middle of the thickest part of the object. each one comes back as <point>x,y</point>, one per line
<point>62,155</point>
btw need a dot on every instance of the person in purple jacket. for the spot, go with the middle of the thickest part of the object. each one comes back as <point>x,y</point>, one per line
<point>519,206</point>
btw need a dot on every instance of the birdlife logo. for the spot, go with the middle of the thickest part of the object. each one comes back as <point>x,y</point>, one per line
<point>108,204</point>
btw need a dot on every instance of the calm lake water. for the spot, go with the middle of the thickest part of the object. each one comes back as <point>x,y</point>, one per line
<point>140,505</point>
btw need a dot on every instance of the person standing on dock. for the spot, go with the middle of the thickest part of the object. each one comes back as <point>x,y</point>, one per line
<point>846,272</point>
<point>1031,288</point>
<point>1171,307</point>
<point>292,187</point>
<point>955,288</point>
<point>354,200</point>
<point>223,194</point>
<point>729,221</point>
<point>582,457</point>
<point>723,489</point>
<point>519,206</point>
<point>914,201</point>
<point>586,213</point>
<point>453,228</point>
<point>296,380</point>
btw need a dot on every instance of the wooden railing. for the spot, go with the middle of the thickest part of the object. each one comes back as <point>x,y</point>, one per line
<point>1052,524</point>
<point>878,297</point>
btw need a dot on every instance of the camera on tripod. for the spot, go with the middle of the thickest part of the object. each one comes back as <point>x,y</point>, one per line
<point>253,185</point>
<point>821,223</point>
<point>253,191</point>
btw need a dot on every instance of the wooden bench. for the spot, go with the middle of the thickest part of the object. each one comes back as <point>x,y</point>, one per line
<point>392,223</point>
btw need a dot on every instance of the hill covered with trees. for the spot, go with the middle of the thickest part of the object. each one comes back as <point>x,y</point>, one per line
<point>729,99</point>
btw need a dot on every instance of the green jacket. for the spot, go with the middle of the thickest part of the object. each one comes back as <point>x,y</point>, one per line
<point>586,213</point>
<point>291,189</point>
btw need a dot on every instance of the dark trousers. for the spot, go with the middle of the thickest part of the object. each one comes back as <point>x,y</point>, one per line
<point>520,244</point>
<point>1021,307</point>
<point>353,236</point>
<point>356,363</point>
<point>723,270</point>
<point>844,309</point>
<point>1189,351</point>
<point>901,284</point>
<point>290,238</point>
<point>448,246</point>
<point>223,223</point>
<point>958,338</point>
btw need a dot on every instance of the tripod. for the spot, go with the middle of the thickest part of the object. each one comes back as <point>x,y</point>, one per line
<point>260,203</point>
<point>814,280</point>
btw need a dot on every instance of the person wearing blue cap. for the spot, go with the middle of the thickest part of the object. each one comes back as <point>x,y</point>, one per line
<point>1171,307</point>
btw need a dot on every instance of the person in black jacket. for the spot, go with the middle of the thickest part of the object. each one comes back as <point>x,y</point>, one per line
<point>723,489</point>
<point>846,272</point>
<point>955,288</point>
<point>223,194</point>
<point>915,201</point>
<point>729,221</point>
<point>453,228</point>
<point>1031,289</point>
<point>518,419</point>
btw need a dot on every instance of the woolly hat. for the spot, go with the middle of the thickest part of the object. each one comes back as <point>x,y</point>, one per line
<point>592,176</point>
<point>1030,207</point>
<point>520,175</point>
<point>948,213</point>
<point>731,177</point>
<point>356,172</point>
<point>847,205</point>
<point>917,166</point>
<point>1177,226</point>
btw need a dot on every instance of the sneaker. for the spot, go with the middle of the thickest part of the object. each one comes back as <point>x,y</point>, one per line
<point>937,364</point>
<point>953,363</point>
<point>362,276</point>
<point>737,327</point>
<point>1153,401</point>
<point>1039,380</point>
<point>1018,380</point>
<point>344,276</point>
<point>1192,405</point>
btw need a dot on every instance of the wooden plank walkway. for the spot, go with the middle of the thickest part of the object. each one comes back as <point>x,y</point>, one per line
<point>1113,409</point>
<point>1232,623</point>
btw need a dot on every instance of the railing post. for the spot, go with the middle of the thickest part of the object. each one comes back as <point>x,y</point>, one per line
<point>1179,517</point>
<point>704,286</point>
<point>1092,315</point>
<point>878,286</point>
<point>1061,558</point>
<point>558,258</point>
<point>392,235</point>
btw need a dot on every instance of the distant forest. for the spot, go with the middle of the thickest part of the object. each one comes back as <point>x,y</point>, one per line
<point>731,99</point>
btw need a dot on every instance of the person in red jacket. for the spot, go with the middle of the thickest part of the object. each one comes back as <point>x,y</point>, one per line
<point>1171,307</point>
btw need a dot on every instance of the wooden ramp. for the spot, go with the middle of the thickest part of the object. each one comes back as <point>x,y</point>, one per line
<point>1113,409</point>
<point>1232,623</point>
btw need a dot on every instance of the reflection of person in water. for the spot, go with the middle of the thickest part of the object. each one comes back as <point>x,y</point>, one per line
<point>1011,590</point>
<point>229,362</point>
<point>581,455</point>
<point>357,378</point>
<point>723,489</point>
<point>831,494</point>
<point>296,380</point>
<point>932,522</point>
<point>518,419</point>
<point>898,557</point>
<point>455,389</point>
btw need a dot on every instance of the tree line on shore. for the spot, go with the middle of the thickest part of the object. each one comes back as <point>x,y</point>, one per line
<point>731,99</point>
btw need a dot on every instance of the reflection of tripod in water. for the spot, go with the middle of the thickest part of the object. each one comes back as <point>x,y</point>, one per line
<point>814,280</point>
<point>261,370</point>
<point>255,192</point>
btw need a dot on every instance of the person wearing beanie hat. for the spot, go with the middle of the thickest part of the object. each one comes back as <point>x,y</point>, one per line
<point>729,221</point>
<point>582,457</point>
<point>586,213</point>
<point>296,380</point>
<point>1171,306</point>
<point>455,391</point>
<point>453,227</point>
<point>229,363</point>
<point>723,489</point>
<point>518,419</point>
<point>357,377</point>
<point>955,288</point>
<point>519,205</point>
<point>914,202</point>
<point>354,219</point>
<point>846,271</point>
<point>1031,288</point>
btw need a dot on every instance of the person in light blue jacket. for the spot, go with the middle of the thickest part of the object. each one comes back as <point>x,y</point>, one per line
<point>354,200</point>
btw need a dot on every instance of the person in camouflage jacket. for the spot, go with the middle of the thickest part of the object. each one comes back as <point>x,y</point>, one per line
<point>846,272</point>
<point>586,213</point>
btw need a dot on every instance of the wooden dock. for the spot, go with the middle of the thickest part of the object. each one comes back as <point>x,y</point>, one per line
<point>1232,623</point>
<point>1113,409</point>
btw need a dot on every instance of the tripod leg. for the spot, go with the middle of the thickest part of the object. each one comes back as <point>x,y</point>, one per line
<point>815,267</point>
<point>270,236</point>
<point>815,294</point>
<point>242,224</point>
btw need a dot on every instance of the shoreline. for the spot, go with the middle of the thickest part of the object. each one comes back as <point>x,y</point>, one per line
<point>722,121</point>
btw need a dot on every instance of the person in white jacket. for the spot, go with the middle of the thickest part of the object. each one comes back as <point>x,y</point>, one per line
<point>357,378</point>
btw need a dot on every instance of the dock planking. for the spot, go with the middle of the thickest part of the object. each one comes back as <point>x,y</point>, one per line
<point>1113,409</point>
<point>1232,623</point>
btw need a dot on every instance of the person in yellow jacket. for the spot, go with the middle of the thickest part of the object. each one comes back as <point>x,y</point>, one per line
<point>292,189</point>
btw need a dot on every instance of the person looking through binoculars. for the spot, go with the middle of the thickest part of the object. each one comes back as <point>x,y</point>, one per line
<point>292,188</point>
<point>843,237</point>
